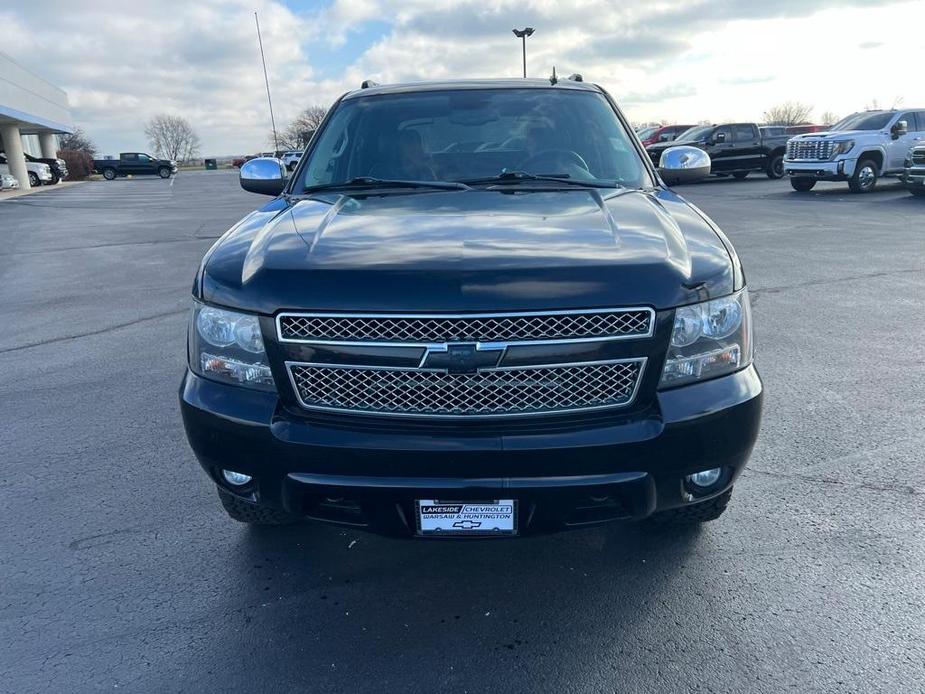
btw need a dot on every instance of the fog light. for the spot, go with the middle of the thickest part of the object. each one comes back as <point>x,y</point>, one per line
<point>236,478</point>
<point>705,478</point>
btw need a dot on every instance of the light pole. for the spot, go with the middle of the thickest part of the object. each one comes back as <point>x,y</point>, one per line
<point>522,34</point>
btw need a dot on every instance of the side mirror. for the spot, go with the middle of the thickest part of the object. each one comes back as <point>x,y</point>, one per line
<point>263,175</point>
<point>899,129</point>
<point>684,165</point>
<point>719,138</point>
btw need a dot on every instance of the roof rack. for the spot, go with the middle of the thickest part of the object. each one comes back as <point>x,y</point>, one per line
<point>576,77</point>
<point>368,83</point>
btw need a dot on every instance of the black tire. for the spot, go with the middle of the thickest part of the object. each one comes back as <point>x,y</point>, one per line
<point>253,514</point>
<point>163,172</point>
<point>865,177</point>
<point>703,512</point>
<point>55,179</point>
<point>109,174</point>
<point>802,184</point>
<point>918,192</point>
<point>740,175</point>
<point>775,168</point>
<point>34,180</point>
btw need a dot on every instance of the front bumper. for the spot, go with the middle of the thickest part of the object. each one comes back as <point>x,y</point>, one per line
<point>914,176</point>
<point>838,170</point>
<point>563,475</point>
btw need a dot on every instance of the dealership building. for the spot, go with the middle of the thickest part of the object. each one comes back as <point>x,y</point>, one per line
<point>32,114</point>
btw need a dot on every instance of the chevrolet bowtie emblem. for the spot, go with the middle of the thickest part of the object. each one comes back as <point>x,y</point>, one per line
<point>463,357</point>
<point>467,524</point>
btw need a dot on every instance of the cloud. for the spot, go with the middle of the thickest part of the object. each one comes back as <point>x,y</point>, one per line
<point>748,79</point>
<point>676,91</point>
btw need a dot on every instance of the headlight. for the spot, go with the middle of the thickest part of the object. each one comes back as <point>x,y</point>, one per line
<point>708,340</point>
<point>227,346</point>
<point>842,147</point>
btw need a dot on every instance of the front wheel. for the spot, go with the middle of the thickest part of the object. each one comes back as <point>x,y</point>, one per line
<point>34,180</point>
<point>253,514</point>
<point>163,172</point>
<point>694,514</point>
<point>865,177</point>
<point>776,167</point>
<point>802,185</point>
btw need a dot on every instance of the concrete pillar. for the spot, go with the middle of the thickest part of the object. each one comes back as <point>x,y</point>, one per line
<point>49,144</point>
<point>12,145</point>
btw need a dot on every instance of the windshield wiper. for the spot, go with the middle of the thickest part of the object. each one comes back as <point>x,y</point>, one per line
<point>369,182</point>
<point>509,177</point>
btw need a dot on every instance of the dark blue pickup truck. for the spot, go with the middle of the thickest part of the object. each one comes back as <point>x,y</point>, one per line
<point>474,309</point>
<point>134,164</point>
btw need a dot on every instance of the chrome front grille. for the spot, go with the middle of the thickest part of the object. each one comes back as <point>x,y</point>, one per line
<point>488,392</point>
<point>918,157</point>
<point>487,327</point>
<point>815,150</point>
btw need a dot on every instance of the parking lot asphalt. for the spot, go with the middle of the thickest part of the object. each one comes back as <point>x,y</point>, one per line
<point>121,572</point>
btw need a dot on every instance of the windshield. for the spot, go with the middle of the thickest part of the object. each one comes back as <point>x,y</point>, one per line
<point>475,134</point>
<point>646,133</point>
<point>696,133</point>
<point>864,121</point>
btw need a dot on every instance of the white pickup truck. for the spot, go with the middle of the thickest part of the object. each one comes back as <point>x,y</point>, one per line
<point>859,149</point>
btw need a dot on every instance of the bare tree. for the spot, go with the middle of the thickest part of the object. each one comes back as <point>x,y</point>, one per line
<point>828,118</point>
<point>172,137</point>
<point>788,113</point>
<point>300,130</point>
<point>77,141</point>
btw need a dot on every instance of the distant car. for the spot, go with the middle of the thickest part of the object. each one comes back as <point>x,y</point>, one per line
<point>38,173</point>
<point>136,164</point>
<point>8,182</point>
<point>291,158</point>
<point>913,175</point>
<point>665,133</point>
<point>58,166</point>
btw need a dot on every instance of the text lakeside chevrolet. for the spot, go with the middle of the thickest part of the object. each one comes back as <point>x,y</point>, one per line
<point>525,333</point>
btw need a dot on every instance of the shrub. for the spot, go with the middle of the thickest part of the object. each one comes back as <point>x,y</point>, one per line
<point>79,164</point>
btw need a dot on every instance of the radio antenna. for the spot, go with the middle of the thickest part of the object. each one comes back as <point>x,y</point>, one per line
<point>267,80</point>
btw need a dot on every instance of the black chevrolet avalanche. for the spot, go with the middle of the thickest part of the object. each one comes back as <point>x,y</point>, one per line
<point>474,309</point>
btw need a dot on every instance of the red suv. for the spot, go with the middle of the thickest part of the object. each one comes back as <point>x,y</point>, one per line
<point>665,133</point>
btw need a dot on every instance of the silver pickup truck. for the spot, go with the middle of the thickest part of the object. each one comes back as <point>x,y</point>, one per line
<point>859,149</point>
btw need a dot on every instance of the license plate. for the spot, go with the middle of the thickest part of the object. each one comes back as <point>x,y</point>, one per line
<point>438,517</point>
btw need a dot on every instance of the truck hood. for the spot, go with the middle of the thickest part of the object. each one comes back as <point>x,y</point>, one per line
<point>476,250</point>
<point>828,134</point>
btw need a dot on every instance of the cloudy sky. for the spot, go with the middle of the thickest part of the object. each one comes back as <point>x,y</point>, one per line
<point>681,60</point>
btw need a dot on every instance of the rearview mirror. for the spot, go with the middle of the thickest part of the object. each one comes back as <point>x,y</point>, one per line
<point>719,138</point>
<point>264,175</point>
<point>900,129</point>
<point>683,165</point>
